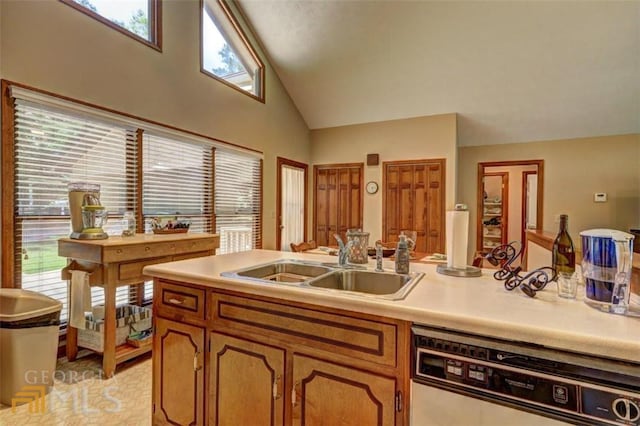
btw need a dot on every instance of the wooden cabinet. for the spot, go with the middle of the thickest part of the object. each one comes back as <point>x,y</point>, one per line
<point>246,382</point>
<point>337,201</point>
<point>178,374</point>
<point>272,362</point>
<point>329,394</point>
<point>117,262</point>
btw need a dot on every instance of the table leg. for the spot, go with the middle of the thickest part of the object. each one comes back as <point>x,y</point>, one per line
<point>109,353</point>
<point>72,343</point>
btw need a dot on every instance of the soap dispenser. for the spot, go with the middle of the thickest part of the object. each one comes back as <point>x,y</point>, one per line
<point>402,256</point>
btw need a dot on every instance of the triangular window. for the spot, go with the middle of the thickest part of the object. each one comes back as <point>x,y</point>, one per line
<point>226,51</point>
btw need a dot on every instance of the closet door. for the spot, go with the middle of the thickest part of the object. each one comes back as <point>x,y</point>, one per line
<point>337,201</point>
<point>413,199</point>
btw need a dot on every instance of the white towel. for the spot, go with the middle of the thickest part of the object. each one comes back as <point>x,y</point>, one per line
<point>80,298</point>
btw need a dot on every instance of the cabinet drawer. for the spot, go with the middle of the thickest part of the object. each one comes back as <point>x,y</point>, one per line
<point>179,301</point>
<point>138,251</point>
<point>346,335</point>
<point>133,270</point>
<point>190,246</point>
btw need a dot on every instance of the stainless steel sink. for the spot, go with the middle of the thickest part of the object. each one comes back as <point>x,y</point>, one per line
<point>381,284</point>
<point>286,271</point>
<point>360,281</point>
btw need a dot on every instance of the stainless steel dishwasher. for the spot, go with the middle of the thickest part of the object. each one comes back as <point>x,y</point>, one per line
<point>461,379</point>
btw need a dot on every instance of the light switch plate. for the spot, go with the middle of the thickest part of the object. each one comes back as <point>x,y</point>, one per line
<point>600,197</point>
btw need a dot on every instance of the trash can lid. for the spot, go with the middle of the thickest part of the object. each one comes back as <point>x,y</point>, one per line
<point>17,304</point>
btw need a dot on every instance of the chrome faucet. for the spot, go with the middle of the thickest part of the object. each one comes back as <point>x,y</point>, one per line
<point>343,250</point>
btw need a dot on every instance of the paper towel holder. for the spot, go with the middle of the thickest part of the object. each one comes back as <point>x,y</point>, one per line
<point>466,272</point>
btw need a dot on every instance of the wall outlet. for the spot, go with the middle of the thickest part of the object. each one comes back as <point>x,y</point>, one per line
<point>600,197</point>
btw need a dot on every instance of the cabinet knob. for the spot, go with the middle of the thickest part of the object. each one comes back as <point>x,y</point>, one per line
<point>119,251</point>
<point>147,248</point>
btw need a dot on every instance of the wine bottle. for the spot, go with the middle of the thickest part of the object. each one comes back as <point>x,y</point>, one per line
<point>563,253</point>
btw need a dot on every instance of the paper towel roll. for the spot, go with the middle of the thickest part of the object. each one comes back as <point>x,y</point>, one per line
<point>457,238</point>
<point>80,298</point>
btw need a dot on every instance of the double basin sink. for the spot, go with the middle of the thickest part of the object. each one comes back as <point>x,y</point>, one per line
<point>353,279</point>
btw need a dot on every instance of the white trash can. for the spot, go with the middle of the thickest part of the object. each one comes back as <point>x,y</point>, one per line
<point>29,328</point>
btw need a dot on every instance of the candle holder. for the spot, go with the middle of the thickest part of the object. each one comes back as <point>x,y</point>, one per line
<point>531,282</point>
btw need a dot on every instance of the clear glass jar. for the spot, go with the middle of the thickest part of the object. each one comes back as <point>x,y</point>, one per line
<point>128,224</point>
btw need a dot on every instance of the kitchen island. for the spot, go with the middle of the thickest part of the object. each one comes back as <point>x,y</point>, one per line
<point>194,301</point>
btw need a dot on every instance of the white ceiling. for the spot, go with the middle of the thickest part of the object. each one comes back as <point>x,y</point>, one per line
<point>514,71</point>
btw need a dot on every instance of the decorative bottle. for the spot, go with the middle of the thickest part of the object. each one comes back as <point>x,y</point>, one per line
<point>402,256</point>
<point>563,253</point>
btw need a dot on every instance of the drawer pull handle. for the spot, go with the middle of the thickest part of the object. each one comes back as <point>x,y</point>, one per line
<point>196,367</point>
<point>277,392</point>
<point>294,394</point>
<point>147,248</point>
<point>119,251</point>
<point>175,301</point>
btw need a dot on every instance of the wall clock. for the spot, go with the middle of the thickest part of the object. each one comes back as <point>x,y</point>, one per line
<point>372,187</point>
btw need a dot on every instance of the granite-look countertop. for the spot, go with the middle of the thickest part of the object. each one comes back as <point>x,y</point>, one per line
<point>477,305</point>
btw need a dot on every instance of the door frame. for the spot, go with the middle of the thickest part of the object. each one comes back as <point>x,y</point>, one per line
<point>281,161</point>
<point>481,172</point>
<point>523,206</point>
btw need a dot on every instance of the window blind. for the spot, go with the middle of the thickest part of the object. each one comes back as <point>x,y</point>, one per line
<point>176,182</point>
<point>238,179</point>
<point>52,149</point>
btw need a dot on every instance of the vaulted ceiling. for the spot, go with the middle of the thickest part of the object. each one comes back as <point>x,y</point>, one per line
<point>514,71</point>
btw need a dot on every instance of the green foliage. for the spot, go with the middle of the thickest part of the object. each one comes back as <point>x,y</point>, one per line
<point>231,64</point>
<point>139,24</point>
<point>87,4</point>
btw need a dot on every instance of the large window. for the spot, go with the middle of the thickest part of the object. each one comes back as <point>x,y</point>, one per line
<point>140,19</point>
<point>52,149</point>
<point>227,54</point>
<point>55,142</point>
<point>238,201</point>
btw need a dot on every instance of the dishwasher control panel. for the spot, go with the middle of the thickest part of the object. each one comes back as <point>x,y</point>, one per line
<point>524,380</point>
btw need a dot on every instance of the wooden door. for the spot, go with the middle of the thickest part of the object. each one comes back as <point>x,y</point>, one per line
<point>246,383</point>
<point>330,394</point>
<point>337,201</point>
<point>413,199</point>
<point>178,379</point>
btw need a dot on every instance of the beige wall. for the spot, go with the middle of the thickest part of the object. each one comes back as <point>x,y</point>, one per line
<point>574,169</point>
<point>51,46</point>
<point>413,138</point>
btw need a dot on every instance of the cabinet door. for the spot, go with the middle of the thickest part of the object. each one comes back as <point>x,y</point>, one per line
<point>246,383</point>
<point>178,373</point>
<point>330,394</point>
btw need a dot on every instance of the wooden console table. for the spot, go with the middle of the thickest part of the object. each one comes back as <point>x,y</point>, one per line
<point>118,261</point>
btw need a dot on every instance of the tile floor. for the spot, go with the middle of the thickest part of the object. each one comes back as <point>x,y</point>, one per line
<point>81,396</point>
